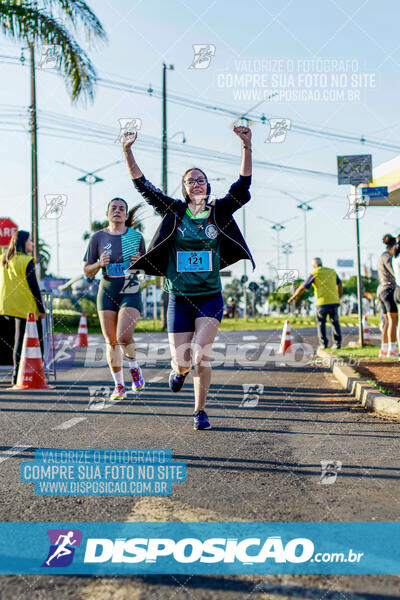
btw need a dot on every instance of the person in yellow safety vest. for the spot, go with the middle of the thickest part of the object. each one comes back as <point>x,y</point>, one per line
<point>19,290</point>
<point>327,289</point>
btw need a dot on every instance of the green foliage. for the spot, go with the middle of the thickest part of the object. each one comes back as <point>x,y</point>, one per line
<point>44,258</point>
<point>280,296</point>
<point>233,290</point>
<point>369,286</point>
<point>50,23</point>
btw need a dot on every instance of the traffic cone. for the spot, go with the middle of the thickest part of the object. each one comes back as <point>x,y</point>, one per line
<point>82,333</point>
<point>366,332</point>
<point>286,340</point>
<point>31,372</point>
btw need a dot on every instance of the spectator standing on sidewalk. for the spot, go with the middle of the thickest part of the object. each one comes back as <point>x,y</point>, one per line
<point>385,294</point>
<point>327,289</point>
<point>19,290</point>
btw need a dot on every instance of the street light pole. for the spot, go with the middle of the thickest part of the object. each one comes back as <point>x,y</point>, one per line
<point>359,281</point>
<point>164,168</point>
<point>244,268</point>
<point>34,166</point>
<point>278,227</point>
<point>90,179</point>
<point>305,207</point>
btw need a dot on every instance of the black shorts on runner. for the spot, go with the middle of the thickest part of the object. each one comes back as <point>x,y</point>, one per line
<point>386,298</point>
<point>184,310</point>
<point>117,293</point>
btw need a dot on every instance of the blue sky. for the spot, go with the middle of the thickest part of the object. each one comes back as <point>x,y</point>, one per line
<point>277,35</point>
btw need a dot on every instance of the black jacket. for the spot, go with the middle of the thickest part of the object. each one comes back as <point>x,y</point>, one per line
<point>232,245</point>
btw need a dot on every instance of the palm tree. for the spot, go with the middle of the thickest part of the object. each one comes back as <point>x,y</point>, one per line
<point>45,23</point>
<point>44,254</point>
<point>28,23</point>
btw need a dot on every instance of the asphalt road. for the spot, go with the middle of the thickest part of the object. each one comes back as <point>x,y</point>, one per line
<point>260,462</point>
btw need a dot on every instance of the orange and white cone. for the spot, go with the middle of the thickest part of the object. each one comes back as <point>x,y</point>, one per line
<point>286,340</point>
<point>366,332</point>
<point>82,339</point>
<point>31,372</point>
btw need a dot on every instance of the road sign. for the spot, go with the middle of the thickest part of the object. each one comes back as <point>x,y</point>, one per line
<point>354,169</point>
<point>244,279</point>
<point>7,230</point>
<point>253,286</point>
<point>343,262</point>
<point>225,273</point>
<point>375,196</point>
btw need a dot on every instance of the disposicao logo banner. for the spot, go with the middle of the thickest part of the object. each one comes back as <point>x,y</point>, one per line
<point>223,548</point>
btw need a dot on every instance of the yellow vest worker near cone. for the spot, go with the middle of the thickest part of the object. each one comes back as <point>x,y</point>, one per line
<point>19,290</point>
<point>327,289</point>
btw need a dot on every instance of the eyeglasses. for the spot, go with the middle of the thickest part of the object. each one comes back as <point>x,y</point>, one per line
<point>200,181</point>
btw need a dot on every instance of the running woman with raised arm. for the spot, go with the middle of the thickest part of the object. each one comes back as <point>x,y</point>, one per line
<point>119,299</point>
<point>197,237</point>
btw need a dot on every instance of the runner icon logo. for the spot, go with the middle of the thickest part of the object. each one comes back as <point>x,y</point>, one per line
<point>62,547</point>
<point>99,394</point>
<point>203,54</point>
<point>286,276</point>
<point>128,125</point>
<point>278,130</point>
<point>251,394</point>
<point>55,203</point>
<point>329,471</point>
<point>50,56</point>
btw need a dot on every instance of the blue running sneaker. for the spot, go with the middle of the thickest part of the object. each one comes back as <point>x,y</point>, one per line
<point>137,379</point>
<point>176,381</point>
<point>201,420</point>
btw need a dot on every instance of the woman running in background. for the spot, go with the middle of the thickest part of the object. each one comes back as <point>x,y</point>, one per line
<point>385,293</point>
<point>196,238</point>
<point>19,291</point>
<point>119,300</point>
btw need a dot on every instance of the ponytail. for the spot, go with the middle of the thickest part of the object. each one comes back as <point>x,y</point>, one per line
<point>389,240</point>
<point>130,221</point>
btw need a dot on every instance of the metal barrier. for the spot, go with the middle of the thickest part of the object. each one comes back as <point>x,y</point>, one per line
<point>48,336</point>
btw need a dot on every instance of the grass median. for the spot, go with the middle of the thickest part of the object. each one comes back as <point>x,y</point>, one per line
<point>67,322</point>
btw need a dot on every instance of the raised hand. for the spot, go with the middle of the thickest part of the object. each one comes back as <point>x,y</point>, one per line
<point>128,139</point>
<point>244,133</point>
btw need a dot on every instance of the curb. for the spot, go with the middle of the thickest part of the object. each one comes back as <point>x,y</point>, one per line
<point>366,394</point>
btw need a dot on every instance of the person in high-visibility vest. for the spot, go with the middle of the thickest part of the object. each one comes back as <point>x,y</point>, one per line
<point>327,289</point>
<point>19,290</point>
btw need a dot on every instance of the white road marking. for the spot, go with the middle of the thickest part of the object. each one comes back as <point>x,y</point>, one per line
<point>249,338</point>
<point>138,338</point>
<point>12,452</point>
<point>155,378</point>
<point>70,423</point>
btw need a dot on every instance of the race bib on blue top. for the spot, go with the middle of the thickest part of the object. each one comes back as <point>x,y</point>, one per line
<point>117,269</point>
<point>194,261</point>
